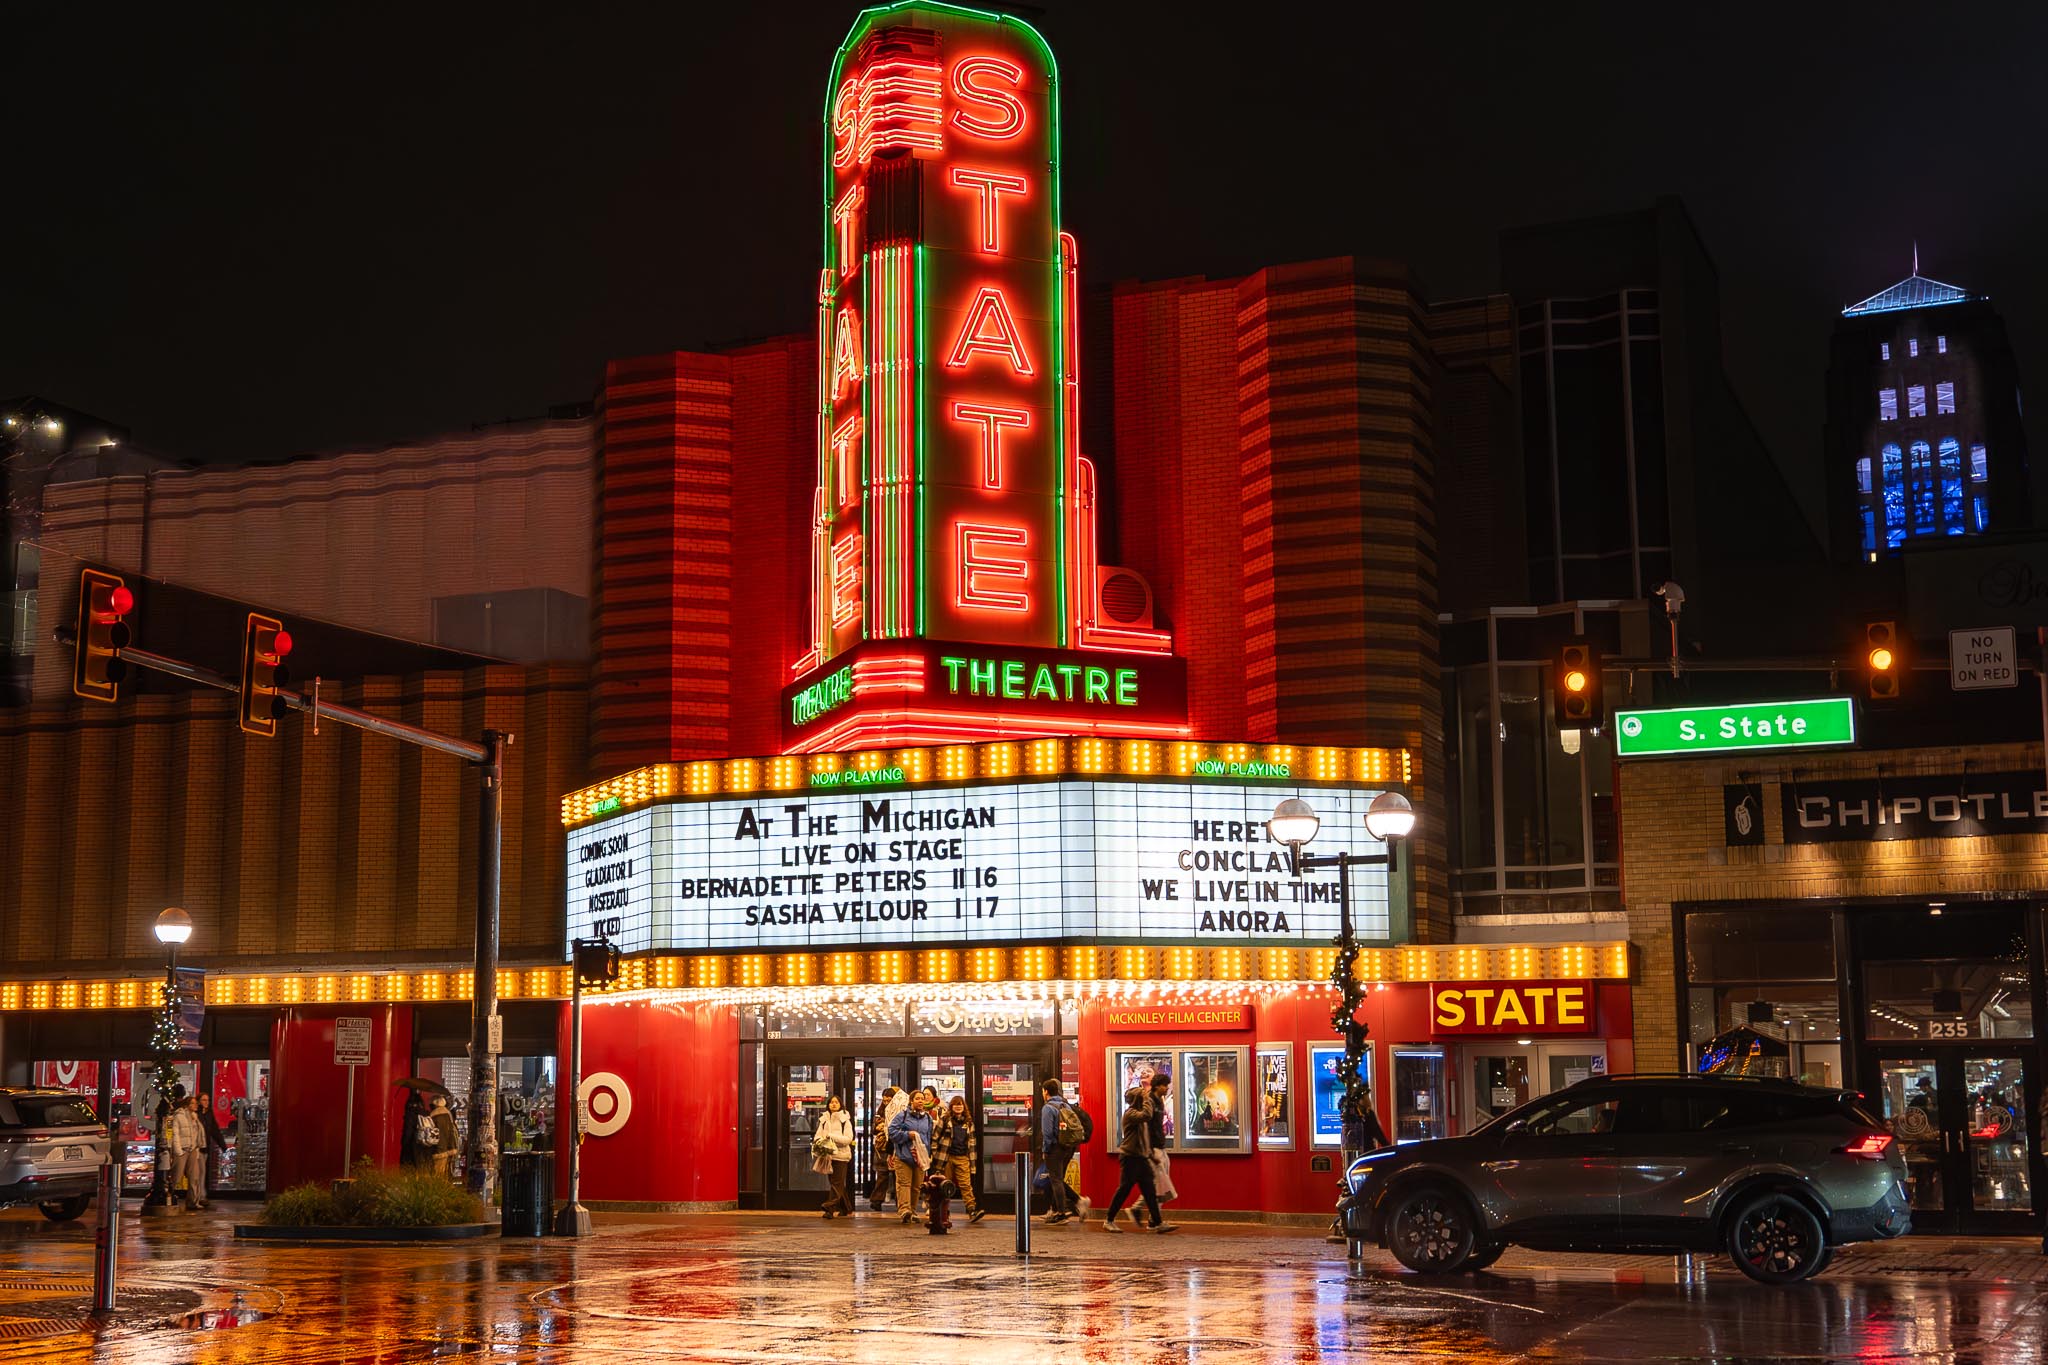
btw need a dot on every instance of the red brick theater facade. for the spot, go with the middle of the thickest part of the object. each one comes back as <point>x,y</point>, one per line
<point>912,787</point>
<point>934,710</point>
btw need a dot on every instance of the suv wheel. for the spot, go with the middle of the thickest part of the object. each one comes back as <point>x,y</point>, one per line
<point>1775,1239</point>
<point>64,1210</point>
<point>1485,1254</point>
<point>1431,1230</point>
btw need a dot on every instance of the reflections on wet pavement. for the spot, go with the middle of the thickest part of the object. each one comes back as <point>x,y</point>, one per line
<point>739,1290</point>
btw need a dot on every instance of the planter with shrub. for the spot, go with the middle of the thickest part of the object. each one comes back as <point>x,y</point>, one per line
<point>374,1205</point>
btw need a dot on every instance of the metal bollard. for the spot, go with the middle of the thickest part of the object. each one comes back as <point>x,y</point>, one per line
<point>1024,1203</point>
<point>106,1237</point>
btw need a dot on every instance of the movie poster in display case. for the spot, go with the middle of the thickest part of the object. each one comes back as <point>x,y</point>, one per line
<point>1275,1069</point>
<point>1213,1100</point>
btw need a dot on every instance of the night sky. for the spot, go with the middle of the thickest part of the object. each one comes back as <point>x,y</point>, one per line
<point>252,232</point>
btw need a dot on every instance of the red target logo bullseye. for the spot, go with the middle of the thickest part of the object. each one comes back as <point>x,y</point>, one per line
<point>607,1103</point>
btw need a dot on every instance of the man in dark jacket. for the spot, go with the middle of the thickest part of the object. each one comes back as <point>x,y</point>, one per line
<point>1162,1085</point>
<point>1135,1153</point>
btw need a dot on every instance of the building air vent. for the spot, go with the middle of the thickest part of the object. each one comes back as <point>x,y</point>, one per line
<point>1123,597</point>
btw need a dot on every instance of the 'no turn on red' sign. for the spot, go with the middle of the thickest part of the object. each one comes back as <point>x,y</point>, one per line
<point>1982,658</point>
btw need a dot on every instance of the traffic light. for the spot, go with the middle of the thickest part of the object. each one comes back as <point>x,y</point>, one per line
<point>1575,686</point>
<point>1884,661</point>
<point>265,643</point>
<point>597,962</point>
<point>96,669</point>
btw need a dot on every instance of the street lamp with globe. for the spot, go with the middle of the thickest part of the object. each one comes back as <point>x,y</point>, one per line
<point>173,927</point>
<point>1390,819</point>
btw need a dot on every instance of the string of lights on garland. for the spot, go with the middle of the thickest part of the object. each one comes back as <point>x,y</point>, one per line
<point>1344,1020</point>
<point>164,1040</point>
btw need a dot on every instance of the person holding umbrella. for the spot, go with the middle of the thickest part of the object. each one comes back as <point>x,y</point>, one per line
<point>419,1137</point>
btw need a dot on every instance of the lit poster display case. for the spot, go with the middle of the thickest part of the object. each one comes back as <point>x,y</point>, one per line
<point>1209,1108</point>
<point>1275,1070</point>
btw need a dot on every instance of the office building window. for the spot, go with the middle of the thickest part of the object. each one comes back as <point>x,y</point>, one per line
<point>1941,345</point>
<point>1913,346</point>
<point>1980,469</point>
<point>1952,487</point>
<point>1983,513</point>
<point>1944,398</point>
<point>1870,531</point>
<point>1920,476</point>
<point>1863,475</point>
<point>1894,498</point>
<point>1887,405</point>
<point>1916,400</point>
<point>1884,350</point>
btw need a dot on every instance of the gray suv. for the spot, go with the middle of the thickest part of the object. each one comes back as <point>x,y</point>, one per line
<point>1774,1173</point>
<point>51,1149</point>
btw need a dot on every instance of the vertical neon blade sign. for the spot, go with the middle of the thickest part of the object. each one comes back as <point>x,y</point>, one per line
<point>942,401</point>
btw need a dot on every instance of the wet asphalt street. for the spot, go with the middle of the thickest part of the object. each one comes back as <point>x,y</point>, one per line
<point>776,1288</point>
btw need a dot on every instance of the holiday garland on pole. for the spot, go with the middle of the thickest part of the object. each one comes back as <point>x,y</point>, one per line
<point>1344,1020</point>
<point>164,1040</point>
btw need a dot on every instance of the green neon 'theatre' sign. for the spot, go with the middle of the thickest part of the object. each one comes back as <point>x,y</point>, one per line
<point>1748,725</point>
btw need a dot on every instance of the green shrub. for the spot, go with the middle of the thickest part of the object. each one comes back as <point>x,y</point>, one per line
<point>376,1199</point>
<point>302,1206</point>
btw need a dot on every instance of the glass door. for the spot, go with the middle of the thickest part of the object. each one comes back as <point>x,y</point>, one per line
<point>1500,1079</point>
<point>1960,1117</point>
<point>797,1094</point>
<point>1420,1110</point>
<point>1007,1124</point>
<point>869,1178</point>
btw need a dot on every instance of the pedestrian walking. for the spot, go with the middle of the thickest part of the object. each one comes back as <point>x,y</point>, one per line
<point>957,1149</point>
<point>910,1145</point>
<point>834,1142</point>
<point>1135,1153</point>
<point>446,1139</point>
<point>1063,1129</point>
<point>187,1141</point>
<point>880,1180</point>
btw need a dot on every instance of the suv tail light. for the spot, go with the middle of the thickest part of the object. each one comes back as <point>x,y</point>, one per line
<point>1870,1145</point>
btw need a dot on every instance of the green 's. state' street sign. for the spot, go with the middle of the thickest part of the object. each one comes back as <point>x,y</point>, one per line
<point>1750,725</point>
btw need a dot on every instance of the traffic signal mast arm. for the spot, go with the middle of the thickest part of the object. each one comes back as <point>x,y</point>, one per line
<point>299,701</point>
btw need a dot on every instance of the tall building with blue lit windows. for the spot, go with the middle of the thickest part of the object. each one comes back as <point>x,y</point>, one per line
<point>1924,438</point>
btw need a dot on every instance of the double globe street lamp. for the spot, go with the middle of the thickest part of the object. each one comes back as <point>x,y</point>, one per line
<point>173,927</point>
<point>1390,819</point>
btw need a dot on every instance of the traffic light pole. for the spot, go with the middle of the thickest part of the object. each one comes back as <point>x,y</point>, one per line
<point>480,1156</point>
<point>481,1150</point>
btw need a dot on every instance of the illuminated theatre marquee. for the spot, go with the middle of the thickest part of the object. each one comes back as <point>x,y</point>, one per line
<point>968,844</point>
<point>954,515</point>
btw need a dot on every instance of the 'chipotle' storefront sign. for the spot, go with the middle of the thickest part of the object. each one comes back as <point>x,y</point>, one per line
<point>1480,1007</point>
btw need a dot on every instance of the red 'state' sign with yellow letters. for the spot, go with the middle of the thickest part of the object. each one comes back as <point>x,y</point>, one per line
<point>1522,1007</point>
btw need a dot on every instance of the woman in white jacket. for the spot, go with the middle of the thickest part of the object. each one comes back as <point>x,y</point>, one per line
<point>836,1126</point>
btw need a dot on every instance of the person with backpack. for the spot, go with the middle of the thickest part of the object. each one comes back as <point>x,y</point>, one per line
<point>1063,1129</point>
<point>1136,1154</point>
<point>910,1144</point>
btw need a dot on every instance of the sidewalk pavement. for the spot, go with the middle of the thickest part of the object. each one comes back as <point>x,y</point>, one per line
<point>2012,1260</point>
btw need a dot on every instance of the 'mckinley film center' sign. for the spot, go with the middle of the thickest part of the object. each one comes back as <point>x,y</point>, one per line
<point>990,863</point>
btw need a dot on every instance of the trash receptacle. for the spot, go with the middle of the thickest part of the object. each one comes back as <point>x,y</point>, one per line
<point>526,1189</point>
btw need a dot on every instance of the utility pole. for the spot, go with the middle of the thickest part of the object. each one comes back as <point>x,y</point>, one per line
<point>480,1159</point>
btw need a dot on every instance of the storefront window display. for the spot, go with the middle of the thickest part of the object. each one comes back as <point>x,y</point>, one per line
<point>1275,1067</point>
<point>1807,1018</point>
<point>241,1107</point>
<point>526,1100</point>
